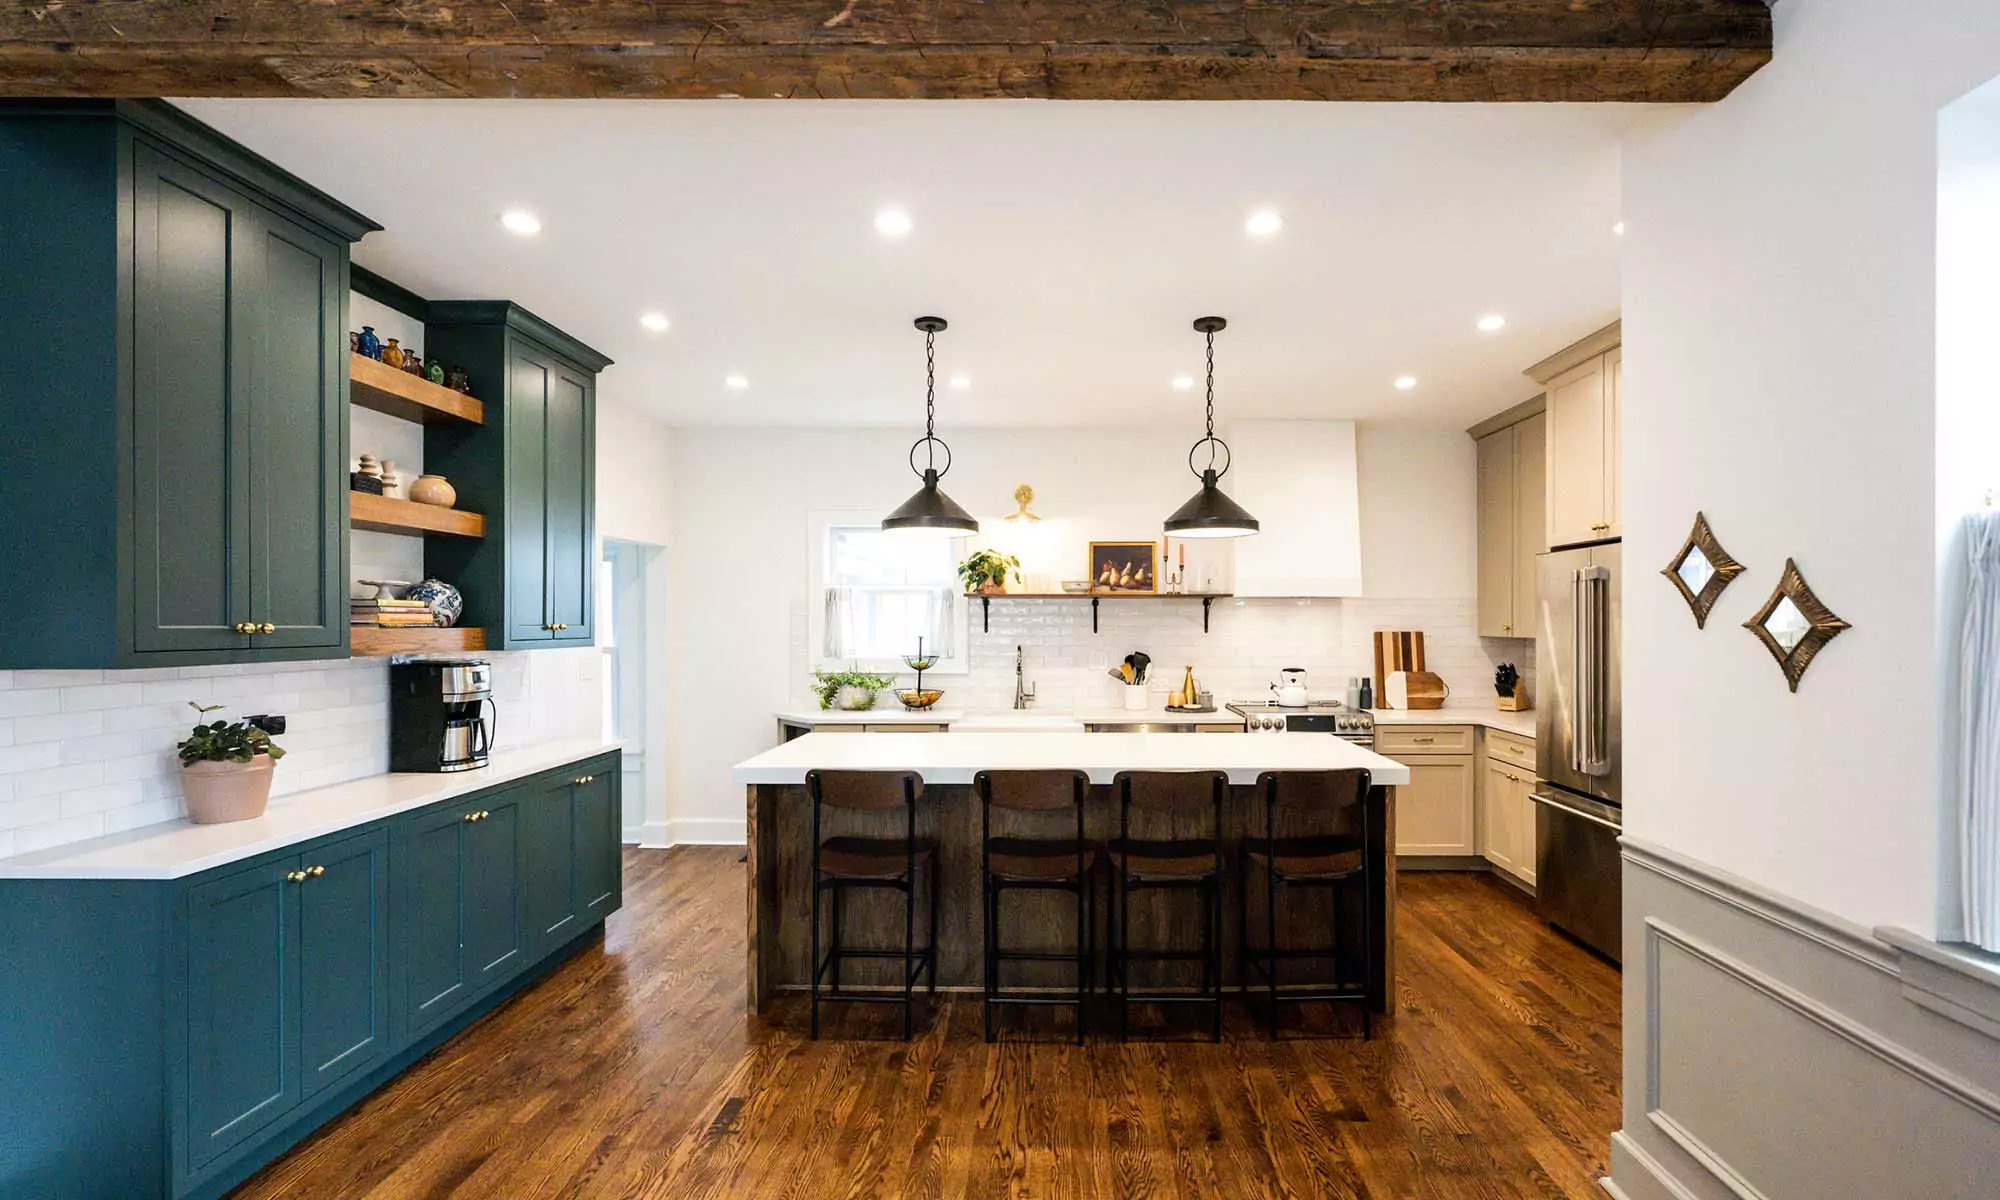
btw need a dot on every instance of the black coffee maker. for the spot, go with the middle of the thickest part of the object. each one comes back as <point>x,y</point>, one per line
<point>437,718</point>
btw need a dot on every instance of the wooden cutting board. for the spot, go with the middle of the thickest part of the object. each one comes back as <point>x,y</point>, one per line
<point>1396,650</point>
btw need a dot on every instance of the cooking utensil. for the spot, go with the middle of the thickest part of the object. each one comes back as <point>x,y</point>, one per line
<point>1140,661</point>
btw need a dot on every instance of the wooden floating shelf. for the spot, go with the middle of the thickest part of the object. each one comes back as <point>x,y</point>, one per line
<point>375,641</point>
<point>986,602</point>
<point>386,514</point>
<point>384,389</point>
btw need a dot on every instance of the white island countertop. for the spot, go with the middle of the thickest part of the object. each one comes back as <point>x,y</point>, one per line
<point>956,759</point>
<point>173,849</point>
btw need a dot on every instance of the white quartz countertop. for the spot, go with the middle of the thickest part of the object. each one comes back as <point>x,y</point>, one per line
<point>895,715</point>
<point>955,759</point>
<point>173,849</point>
<point>887,712</point>
<point>1519,723</point>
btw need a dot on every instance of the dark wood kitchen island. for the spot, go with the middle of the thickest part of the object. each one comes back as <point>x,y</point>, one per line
<point>780,831</point>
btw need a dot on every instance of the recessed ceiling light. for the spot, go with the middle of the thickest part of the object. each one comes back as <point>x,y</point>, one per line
<point>1618,230</point>
<point>1263,223</point>
<point>521,221</point>
<point>961,382</point>
<point>1405,382</point>
<point>657,322</point>
<point>893,222</point>
<point>736,383</point>
<point>1492,323</point>
<point>1183,383</point>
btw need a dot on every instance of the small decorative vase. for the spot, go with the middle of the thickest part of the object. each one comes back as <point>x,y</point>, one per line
<point>433,489</point>
<point>854,699</point>
<point>370,466</point>
<point>389,480</point>
<point>217,792</point>
<point>367,343</point>
<point>441,598</point>
<point>413,363</point>
<point>392,355</point>
<point>459,381</point>
<point>353,342</point>
<point>434,372</point>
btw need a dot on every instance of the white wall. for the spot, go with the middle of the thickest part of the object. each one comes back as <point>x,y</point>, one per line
<point>738,603</point>
<point>1780,365</point>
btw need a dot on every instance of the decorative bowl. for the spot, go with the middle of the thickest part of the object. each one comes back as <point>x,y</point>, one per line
<point>1076,585</point>
<point>915,700</point>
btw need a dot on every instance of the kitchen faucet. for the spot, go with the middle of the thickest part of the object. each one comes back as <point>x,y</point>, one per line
<point>1024,695</point>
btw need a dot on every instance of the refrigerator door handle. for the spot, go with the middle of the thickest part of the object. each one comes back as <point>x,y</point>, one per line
<point>1593,620</point>
<point>1579,708</point>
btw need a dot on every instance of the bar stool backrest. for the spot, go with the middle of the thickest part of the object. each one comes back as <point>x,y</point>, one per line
<point>1338,799</point>
<point>1032,791</point>
<point>1171,791</point>
<point>870,791</point>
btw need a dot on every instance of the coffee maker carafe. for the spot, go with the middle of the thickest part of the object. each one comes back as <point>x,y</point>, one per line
<point>437,715</point>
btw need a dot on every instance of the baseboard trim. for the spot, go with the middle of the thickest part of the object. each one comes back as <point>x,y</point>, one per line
<point>706,831</point>
<point>1637,1175</point>
<point>653,835</point>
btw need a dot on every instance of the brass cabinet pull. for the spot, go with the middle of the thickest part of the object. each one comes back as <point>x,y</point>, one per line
<point>471,816</point>
<point>316,870</point>
<point>244,627</point>
<point>295,876</point>
<point>1600,528</point>
<point>582,779</point>
<point>554,626</point>
<point>1423,741</point>
<point>267,627</point>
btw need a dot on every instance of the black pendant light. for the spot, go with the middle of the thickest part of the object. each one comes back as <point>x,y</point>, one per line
<point>1211,514</point>
<point>930,510</point>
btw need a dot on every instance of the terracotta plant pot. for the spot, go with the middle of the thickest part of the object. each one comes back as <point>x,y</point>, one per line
<point>990,588</point>
<point>434,490</point>
<point>227,791</point>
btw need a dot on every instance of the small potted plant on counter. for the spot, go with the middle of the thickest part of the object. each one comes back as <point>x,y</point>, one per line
<point>226,766</point>
<point>853,691</point>
<point>984,572</point>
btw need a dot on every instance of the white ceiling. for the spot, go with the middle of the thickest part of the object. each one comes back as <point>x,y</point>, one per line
<point>1069,245</point>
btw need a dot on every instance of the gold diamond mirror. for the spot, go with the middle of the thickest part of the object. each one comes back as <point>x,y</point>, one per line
<point>1702,570</point>
<point>1794,625</point>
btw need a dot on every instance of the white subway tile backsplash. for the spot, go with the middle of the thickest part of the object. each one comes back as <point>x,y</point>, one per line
<point>30,703</point>
<point>84,753</point>
<point>58,727</point>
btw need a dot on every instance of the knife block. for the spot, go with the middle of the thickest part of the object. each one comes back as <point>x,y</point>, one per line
<point>1518,702</point>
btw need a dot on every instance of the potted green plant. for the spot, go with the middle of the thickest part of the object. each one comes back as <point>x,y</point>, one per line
<point>852,690</point>
<point>984,572</point>
<point>226,767</point>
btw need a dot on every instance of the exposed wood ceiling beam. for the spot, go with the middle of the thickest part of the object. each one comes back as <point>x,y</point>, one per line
<point>1460,50</point>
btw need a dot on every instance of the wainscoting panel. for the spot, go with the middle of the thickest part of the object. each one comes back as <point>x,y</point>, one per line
<point>1771,1054</point>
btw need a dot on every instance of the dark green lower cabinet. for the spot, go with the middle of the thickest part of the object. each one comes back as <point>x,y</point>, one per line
<point>548,865</point>
<point>600,820</point>
<point>242,1007</point>
<point>430,923</point>
<point>343,960</point>
<point>493,942</point>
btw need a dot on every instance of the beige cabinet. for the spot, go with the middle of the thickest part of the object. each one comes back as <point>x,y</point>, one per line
<point>1436,810</point>
<point>1507,804</point>
<point>1583,437</point>
<point>1511,525</point>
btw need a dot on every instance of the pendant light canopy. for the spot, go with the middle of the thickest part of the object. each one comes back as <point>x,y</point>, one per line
<point>1211,513</point>
<point>930,510</point>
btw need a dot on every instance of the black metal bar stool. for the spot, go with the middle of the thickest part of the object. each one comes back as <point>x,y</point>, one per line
<point>1179,863</point>
<point>1334,859</point>
<point>843,863</point>
<point>1037,864</point>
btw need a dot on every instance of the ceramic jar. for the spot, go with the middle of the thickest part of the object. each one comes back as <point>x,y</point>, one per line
<point>433,489</point>
<point>367,343</point>
<point>435,372</point>
<point>392,355</point>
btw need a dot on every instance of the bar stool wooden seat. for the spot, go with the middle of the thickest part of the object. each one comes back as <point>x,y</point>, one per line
<point>1333,859</point>
<point>1186,862</point>
<point>846,862</point>
<point>1058,864</point>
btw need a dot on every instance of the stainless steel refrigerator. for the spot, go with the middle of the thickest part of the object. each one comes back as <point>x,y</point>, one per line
<point>1578,817</point>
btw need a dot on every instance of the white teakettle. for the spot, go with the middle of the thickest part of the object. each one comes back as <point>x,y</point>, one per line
<point>1290,690</point>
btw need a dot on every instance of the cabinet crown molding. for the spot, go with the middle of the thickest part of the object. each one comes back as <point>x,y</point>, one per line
<point>1513,416</point>
<point>1608,338</point>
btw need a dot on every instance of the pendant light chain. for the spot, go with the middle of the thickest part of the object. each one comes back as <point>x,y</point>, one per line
<point>1211,398</point>
<point>930,397</point>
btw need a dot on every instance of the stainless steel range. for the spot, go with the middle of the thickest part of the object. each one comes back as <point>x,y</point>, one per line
<point>1317,716</point>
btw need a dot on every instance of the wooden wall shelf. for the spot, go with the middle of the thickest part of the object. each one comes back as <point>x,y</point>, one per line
<point>374,641</point>
<point>385,514</point>
<point>986,602</point>
<point>374,385</point>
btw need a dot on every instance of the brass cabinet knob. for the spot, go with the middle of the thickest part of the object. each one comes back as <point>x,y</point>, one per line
<point>244,627</point>
<point>316,871</point>
<point>295,876</point>
<point>267,627</point>
<point>471,816</point>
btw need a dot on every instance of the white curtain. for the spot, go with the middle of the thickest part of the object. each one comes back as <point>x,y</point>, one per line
<point>1979,734</point>
<point>885,623</point>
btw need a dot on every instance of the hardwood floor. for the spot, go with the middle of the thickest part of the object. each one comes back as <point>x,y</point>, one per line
<point>633,1072</point>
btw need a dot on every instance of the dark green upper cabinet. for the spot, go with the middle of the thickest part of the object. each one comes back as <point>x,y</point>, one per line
<point>173,322</point>
<point>532,469</point>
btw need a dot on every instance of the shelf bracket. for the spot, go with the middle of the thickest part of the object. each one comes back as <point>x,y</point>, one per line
<point>1205,602</point>
<point>1093,614</point>
<point>986,614</point>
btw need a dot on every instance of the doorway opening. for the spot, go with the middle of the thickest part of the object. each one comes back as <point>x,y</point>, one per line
<point>633,702</point>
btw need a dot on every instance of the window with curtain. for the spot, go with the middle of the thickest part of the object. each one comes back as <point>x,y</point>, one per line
<point>878,593</point>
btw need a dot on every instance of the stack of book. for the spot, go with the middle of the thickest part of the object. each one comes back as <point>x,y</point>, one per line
<point>395,614</point>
